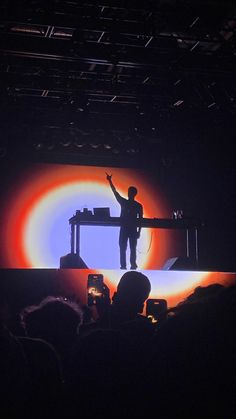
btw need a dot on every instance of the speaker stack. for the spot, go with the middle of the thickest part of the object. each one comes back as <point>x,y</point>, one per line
<point>72,260</point>
<point>179,264</point>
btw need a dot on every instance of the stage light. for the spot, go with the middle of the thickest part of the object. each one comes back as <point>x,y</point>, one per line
<point>50,145</point>
<point>178,103</point>
<point>38,146</point>
<point>211,105</point>
<point>46,200</point>
<point>65,143</point>
<point>79,144</point>
<point>132,150</point>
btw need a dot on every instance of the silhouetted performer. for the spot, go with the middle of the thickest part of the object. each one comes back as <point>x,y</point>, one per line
<point>131,216</point>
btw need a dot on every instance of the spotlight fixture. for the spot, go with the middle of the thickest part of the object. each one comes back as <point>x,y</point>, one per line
<point>94,145</point>
<point>50,145</point>
<point>38,146</point>
<point>65,143</point>
<point>178,103</point>
<point>79,144</point>
<point>132,150</point>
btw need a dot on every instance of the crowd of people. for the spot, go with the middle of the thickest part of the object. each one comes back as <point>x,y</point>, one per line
<point>66,364</point>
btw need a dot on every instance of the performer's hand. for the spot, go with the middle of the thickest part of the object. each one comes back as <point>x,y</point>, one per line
<point>108,176</point>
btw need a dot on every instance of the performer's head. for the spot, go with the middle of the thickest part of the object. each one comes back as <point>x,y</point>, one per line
<point>132,192</point>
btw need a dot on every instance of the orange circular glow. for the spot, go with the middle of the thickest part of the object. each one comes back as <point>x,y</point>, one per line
<point>39,180</point>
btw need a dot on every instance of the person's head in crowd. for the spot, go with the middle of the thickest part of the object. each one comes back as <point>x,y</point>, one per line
<point>55,319</point>
<point>202,293</point>
<point>132,291</point>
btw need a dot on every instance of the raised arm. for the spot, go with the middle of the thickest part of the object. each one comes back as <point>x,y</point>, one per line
<point>117,195</point>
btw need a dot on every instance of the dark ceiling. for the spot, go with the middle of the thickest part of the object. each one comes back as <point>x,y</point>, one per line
<point>114,78</point>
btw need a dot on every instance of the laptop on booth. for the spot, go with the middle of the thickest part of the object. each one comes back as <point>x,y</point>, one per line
<point>102,212</point>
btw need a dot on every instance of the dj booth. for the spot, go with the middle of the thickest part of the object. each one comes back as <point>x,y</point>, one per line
<point>102,218</point>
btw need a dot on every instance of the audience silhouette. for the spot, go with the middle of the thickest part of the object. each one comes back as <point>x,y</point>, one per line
<point>122,365</point>
<point>193,358</point>
<point>55,320</point>
<point>127,305</point>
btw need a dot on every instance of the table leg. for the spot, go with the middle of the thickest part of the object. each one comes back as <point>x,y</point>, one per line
<point>77,239</point>
<point>72,238</point>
